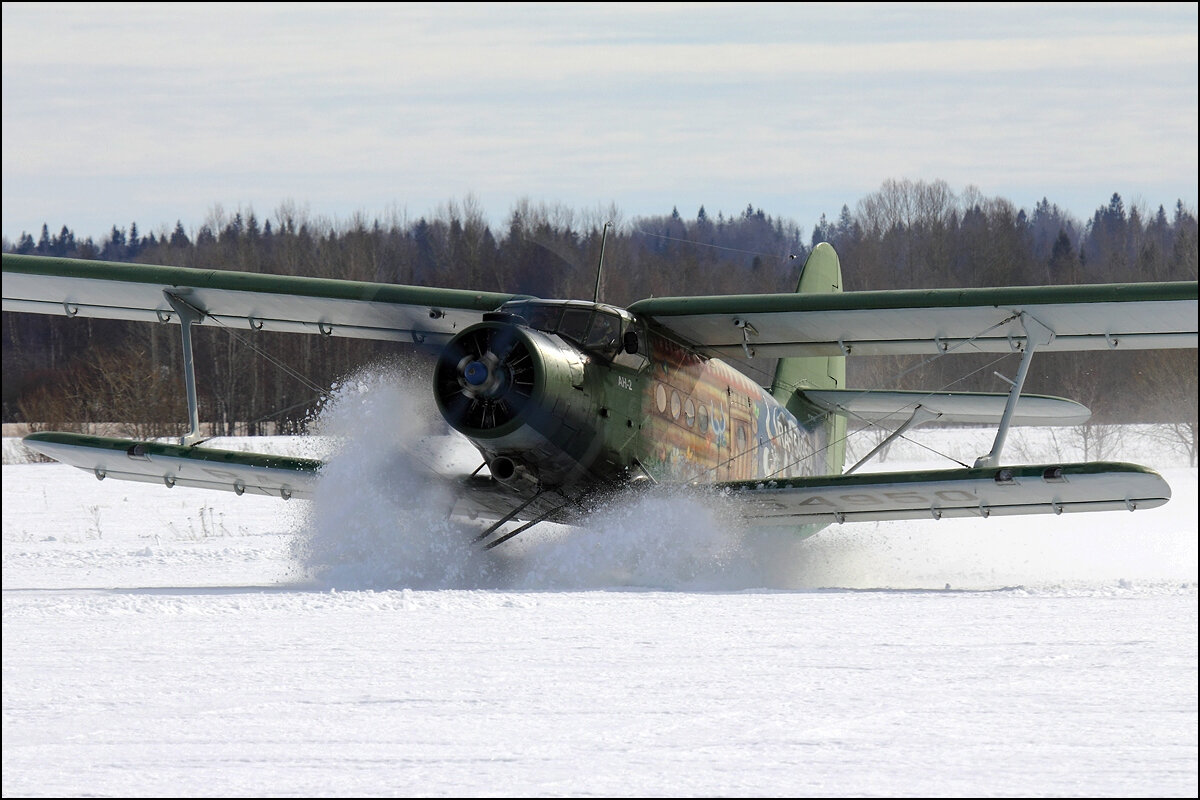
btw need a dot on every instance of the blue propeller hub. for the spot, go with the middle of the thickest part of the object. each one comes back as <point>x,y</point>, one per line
<point>475,373</point>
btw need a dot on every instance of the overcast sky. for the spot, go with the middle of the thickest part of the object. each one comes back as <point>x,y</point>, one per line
<point>158,113</point>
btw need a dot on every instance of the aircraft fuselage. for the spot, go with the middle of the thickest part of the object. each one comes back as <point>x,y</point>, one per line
<point>551,395</point>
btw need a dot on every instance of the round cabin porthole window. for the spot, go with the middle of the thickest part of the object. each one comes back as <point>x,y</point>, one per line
<point>702,419</point>
<point>689,413</point>
<point>660,398</point>
<point>676,405</point>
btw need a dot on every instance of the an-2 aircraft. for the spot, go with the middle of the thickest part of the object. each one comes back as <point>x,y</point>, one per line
<point>569,401</point>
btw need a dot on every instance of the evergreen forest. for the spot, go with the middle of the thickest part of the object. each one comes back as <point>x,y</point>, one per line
<point>72,374</point>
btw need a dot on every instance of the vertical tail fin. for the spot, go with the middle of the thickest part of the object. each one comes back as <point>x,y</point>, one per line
<point>822,273</point>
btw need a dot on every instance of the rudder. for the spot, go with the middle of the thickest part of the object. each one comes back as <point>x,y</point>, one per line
<point>822,273</point>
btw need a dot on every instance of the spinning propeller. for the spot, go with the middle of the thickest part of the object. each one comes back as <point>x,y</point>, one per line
<point>485,376</point>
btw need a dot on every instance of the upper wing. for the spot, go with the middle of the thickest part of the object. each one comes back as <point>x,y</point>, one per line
<point>1090,317</point>
<point>73,287</point>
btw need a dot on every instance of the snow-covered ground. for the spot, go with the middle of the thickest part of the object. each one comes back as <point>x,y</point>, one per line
<point>177,642</point>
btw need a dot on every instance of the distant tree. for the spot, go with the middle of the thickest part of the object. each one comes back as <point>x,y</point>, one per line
<point>1063,266</point>
<point>423,234</point>
<point>233,231</point>
<point>114,249</point>
<point>1169,381</point>
<point>1183,249</point>
<point>1181,213</point>
<point>66,242</point>
<point>1116,209</point>
<point>179,238</point>
<point>821,231</point>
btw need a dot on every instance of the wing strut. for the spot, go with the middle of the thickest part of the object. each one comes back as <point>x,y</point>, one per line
<point>1035,334</point>
<point>920,416</point>
<point>525,527</point>
<point>187,315</point>
<point>507,517</point>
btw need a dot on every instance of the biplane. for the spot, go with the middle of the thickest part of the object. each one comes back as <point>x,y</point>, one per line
<point>569,402</point>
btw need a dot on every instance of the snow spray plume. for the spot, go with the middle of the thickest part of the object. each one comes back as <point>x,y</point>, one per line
<point>377,521</point>
<point>665,538</point>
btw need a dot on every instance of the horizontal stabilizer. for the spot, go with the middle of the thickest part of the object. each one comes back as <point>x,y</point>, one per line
<point>172,465</point>
<point>967,408</point>
<point>955,493</point>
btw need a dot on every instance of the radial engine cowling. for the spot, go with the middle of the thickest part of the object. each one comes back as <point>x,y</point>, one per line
<point>519,394</point>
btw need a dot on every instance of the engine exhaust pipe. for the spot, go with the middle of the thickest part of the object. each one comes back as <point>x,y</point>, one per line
<point>512,474</point>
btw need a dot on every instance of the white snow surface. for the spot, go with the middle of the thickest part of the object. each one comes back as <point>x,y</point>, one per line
<point>183,643</point>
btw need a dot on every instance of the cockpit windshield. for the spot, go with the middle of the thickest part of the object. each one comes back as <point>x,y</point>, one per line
<point>597,329</point>
<point>538,316</point>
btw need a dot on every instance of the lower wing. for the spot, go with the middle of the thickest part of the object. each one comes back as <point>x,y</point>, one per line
<point>172,465</point>
<point>953,493</point>
<point>235,471</point>
<point>1032,489</point>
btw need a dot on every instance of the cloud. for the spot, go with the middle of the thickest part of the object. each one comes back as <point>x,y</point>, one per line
<point>370,105</point>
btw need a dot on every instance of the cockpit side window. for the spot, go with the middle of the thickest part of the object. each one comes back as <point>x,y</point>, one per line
<point>574,324</point>
<point>604,336</point>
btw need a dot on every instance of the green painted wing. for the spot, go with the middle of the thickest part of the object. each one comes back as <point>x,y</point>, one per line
<point>947,494</point>
<point>173,465</point>
<point>211,468</point>
<point>242,300</point>
<point>1090,317</point>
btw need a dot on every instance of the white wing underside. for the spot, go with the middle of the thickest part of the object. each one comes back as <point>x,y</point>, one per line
<point>905,323</point>
<point>1100,317</point>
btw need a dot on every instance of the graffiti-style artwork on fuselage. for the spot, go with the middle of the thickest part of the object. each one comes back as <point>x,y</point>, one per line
<point>705,421</point>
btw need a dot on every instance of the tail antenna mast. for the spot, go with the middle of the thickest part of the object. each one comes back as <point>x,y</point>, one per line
<point>600,266</point>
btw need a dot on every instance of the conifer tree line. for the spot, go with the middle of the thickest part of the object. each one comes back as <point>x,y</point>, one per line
<point>68,373</point>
